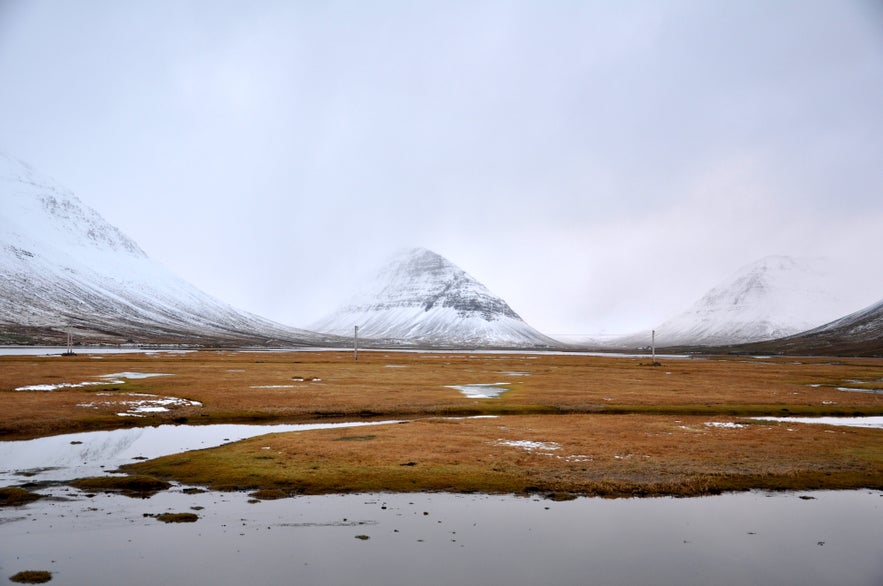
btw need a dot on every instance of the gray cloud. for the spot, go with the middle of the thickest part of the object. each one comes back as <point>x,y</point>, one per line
<point>597,164</point>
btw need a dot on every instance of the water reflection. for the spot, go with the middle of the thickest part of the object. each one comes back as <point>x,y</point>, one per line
<point>64,457</point>
<point>830,538</point>
<point>785,538</point>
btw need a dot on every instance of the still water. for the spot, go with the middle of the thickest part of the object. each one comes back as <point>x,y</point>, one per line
<point>746,538</point>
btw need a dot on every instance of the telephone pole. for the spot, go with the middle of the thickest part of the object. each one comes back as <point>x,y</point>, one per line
<point>653,345</point>
<point>356,344</point>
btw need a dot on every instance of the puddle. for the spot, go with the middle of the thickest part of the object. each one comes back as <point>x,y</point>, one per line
<point>52,351</point>
<point>872,422</point>
<point>856,390</point>
<point>481,391</point>
<point>63,457</point>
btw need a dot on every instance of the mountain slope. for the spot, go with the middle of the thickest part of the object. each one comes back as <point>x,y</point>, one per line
<point>857,334</point>
<point>422,298</point>
<point>63,266</point>
<point>774,297</point>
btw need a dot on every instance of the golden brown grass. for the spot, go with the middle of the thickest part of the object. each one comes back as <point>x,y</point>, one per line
<point>612,455</point>
<point>620,427</point>
<point>133,485</point>
<point>178,517</point>
<point>14,496</point>
<point>259,387</point>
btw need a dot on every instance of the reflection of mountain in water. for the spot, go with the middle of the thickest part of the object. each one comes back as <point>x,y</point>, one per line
<point>110,447</point>
<point>64,457</point>
<point>69,455</point>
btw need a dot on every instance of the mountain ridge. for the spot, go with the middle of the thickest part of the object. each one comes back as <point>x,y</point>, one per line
<point>774,297</point>
<point>62,266</point>
<point>857,334</point>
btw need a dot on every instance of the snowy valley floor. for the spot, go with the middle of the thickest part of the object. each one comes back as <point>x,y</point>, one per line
<point>490,423</point>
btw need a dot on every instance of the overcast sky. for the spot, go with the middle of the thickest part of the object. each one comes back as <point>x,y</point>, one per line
<point>597,164</point>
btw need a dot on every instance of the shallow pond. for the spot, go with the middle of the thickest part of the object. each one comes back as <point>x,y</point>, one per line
<point>76,455</point>
<point>746,538</point>
<point>783,538</point>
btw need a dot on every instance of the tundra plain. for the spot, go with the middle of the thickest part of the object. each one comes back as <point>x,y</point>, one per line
<point>563,425</point>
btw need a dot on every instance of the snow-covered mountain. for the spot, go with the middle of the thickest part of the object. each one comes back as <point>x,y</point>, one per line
<point>774,297</point>
<point>857,334</point>
<point>63,266</point>
<point>421,298</point>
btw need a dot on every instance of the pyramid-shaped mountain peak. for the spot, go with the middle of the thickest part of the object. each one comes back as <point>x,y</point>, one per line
<point>421,297</point>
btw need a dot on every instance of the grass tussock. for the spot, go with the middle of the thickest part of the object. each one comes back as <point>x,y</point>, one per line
<point>178,517</point>
<point>14,496</point>
<point>31,577</point>
<point>269,494</point>
<point>134,485</point>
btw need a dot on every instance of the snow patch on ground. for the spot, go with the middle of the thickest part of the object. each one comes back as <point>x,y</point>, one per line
<point>544,449</point>
<point>724,424</point>
<point>529,445</point>
<point>134,375</point>
<point>55,387</point>
<point>111,379</point>
<point>140,403</point>
<point>873,422</point>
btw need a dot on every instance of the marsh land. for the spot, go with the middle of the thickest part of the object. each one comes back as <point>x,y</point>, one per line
<point>555,424</point>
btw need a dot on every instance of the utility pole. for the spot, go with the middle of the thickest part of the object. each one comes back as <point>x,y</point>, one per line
<point>653,345</point>
<point>356,344</point>
<point>70,342</point>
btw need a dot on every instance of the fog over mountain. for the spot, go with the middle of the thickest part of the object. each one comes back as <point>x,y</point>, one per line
<point>857,334</point>
<point>62,266</point>
<point>599,165</point>
<point>773,297</point>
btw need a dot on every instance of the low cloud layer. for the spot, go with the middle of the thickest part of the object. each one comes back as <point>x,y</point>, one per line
<point>599,165</point>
